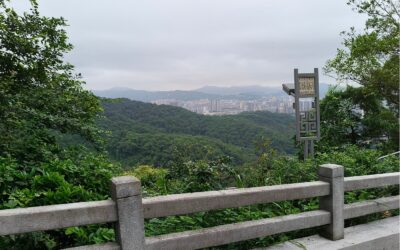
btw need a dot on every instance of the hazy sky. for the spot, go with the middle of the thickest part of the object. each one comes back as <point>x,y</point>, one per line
<point>185,44</point>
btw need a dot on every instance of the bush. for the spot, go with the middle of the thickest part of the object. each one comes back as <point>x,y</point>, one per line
<point>78,175</point>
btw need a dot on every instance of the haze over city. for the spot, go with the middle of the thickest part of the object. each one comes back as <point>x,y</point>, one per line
<point>177,44</point>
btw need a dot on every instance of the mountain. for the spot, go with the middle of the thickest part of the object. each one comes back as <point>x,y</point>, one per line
<point>323,89</point>
<point>207,92</point>
<point>148,96</point>
<point>144,133</point>
<point>242,90</point>
<point>252,90</point>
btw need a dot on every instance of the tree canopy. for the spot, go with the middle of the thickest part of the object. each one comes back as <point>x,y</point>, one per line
<point>39,91</point>
<point>144,133</point>
<point>371,59</point>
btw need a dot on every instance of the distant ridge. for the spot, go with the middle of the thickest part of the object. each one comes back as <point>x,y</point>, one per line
<point>240,90</point>
<point>147,96</point>
<point>206,92</point>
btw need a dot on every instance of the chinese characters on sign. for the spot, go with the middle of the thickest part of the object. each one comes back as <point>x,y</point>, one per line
<point>306,86</point>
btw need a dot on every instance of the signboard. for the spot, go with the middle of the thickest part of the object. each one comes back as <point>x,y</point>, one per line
<point>307,118</point>
<point>305,91</point>
<point>306,86</point>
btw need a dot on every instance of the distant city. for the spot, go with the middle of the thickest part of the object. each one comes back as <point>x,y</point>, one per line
<point>211,100</point>
<point>276,104</point>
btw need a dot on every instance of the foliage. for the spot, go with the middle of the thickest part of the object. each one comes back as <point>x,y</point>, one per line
<point>39,91</point>
<point>153,179</point>
<point>163,149</point>
<point>147,174</point>
<point>144,133</point>
<point>203,176</point>
<point>83,177</point>
<point>345,121</point>
<point>371,59</point>
<point>40,97</point>
<point>340,121</point>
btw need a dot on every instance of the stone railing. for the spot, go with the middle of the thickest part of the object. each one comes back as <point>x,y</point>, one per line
<point>128,210</point>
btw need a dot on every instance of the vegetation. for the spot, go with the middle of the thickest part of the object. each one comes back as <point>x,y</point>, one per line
<point>39,93</point>
<point>40,96</point>
<point>205,175</point>
<point>44,109</point>
<point>144,133</point>
<point>371,59</point>
<point>77,175</point>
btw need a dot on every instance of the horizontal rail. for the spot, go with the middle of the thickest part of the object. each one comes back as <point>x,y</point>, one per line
<point>31,219</point>
<point>230,233</point>
<point>362,208</point>
<point>177,204</point>
<point>371,181</point>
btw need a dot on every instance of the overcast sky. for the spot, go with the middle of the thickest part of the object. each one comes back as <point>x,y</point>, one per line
<point>186,44</point>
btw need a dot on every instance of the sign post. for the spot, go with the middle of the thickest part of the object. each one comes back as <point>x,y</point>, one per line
<point>306,93</point>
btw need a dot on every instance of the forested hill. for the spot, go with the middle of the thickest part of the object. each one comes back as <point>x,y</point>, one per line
<point>144,133</point>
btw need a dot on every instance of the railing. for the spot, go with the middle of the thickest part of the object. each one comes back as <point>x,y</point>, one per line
<point>128,210</point>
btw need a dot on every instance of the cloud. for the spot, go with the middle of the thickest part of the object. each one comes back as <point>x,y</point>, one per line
<point>185,44</point>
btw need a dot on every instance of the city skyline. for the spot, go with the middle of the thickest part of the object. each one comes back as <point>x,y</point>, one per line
<point>275,104</point>
<point>211,100</point>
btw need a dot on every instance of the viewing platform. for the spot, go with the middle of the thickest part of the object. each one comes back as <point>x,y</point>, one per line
<point>377,235</point>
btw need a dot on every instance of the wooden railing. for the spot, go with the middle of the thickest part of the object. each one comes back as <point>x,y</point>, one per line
<point>128,210</point>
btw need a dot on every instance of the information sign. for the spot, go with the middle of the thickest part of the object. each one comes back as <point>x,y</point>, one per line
<point>305,91</point>
<point>306,86</point>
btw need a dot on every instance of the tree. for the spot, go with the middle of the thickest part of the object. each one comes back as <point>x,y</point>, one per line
<point>41,97</point>
<point>39,92</point>
<point>371,59</point>
<point>340,121</point>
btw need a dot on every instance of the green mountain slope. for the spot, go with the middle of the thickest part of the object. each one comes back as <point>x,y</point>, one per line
<point>144,133</point>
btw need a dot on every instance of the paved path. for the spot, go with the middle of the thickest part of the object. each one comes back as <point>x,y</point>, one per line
<point>377,235</point>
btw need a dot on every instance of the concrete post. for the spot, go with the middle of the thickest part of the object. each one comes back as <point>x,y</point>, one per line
<point>305,149</point>
<point>334,202</point>
<point>312,149</point>
<point>126,193</point>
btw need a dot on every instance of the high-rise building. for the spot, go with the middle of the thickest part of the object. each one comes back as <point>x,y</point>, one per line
<point>215,106</point>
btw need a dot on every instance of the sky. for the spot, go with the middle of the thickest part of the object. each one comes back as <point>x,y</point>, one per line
<point>187,44</point>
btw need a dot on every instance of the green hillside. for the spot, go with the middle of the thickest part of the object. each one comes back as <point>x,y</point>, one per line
<point>144,133</point>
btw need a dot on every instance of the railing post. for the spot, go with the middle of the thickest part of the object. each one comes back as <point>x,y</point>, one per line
<point>334,202</point>
<point>126,193</point>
